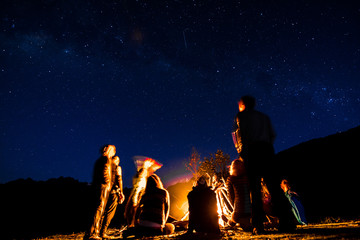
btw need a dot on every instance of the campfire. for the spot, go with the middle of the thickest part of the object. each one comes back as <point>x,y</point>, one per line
<point>224,207</point>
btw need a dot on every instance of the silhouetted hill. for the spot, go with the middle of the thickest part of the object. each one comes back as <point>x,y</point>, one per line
<point>325,173</point>
<point>33,209</point>
<point>37,208</point>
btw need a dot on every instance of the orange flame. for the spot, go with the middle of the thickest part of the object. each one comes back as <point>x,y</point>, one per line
<point>224,207</point>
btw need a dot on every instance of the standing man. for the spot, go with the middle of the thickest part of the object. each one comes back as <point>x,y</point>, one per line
<point>253,138</point>
<point>107,181</point>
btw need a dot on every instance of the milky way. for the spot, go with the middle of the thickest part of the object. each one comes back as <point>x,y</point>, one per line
<point>157,78</point>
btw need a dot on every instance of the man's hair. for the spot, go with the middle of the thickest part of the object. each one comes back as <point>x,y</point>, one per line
<point>249,102</point>
<point>104,148</point>
<point>153,182</point>
<point>200,179</point>
<point>237,167</point>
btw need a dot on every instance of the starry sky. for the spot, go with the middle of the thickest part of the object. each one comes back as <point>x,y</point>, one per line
<point>157,78</point>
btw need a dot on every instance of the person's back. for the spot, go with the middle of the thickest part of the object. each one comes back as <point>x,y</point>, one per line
<point>101,173</point>
<point>255,127</point>
<point>239,195</point>
<point>153,207</point>
<point>203,216</point>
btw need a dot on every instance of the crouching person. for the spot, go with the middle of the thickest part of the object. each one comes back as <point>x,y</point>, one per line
<point>203,215</point>
<point>153,211</point>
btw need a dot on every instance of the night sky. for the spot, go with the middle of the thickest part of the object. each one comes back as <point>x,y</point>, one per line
<point>157,77</point>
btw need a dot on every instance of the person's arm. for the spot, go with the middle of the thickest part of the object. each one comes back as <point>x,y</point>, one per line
<point>272,132</point>
<point>230,191</point>
<point>236,135</point>
<point>213,203</point>
<point>191,221</point>
<point>167,205</point>
<point>139,185</point>
<point>119,183</point>
<point>107,172</point>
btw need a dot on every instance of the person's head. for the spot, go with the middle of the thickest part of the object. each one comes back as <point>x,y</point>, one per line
<point>108,150</point>
<point>151,165</point>
<point>116,160</point>
<point>237,168</point>
<point>201,182</point>
<point>246,103</point>
<point>285,186</point>
<point>153,182</point>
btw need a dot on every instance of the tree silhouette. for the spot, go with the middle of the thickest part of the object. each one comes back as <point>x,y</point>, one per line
<point>194,163</point>
<point>216,163</point>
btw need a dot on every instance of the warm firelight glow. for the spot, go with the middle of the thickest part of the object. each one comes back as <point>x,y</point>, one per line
<point>180,204</point>
<point>219,211</point>
<point>224,207</point>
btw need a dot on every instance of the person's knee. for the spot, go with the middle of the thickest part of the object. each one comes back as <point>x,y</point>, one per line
<point>169,228</point>
<point>245,223</point>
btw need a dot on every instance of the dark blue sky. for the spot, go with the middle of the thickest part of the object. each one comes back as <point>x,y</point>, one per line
<point>157,78</point>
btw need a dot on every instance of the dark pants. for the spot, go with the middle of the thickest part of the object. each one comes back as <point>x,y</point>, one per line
<point>110,210</point>
<point>260,163</point>
<point>105,210</point>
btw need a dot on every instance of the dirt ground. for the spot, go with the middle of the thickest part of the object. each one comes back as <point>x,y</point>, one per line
<point>340,230</point>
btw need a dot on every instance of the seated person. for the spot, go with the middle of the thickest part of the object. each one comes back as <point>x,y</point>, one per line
<point>146,167</point>
<point>203,216</point>
<point>153,211</point>
<point>297,207</point>
<point>239,195</point>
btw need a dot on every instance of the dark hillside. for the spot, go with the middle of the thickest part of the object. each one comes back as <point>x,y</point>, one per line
<point>38,208</point>
<point>33,209</point>
<point>325,173</point>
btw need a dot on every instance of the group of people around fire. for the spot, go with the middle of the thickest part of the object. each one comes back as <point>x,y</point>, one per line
<point>147,208</point>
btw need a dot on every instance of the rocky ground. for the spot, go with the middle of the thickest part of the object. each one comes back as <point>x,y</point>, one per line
<point>334,230</point>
